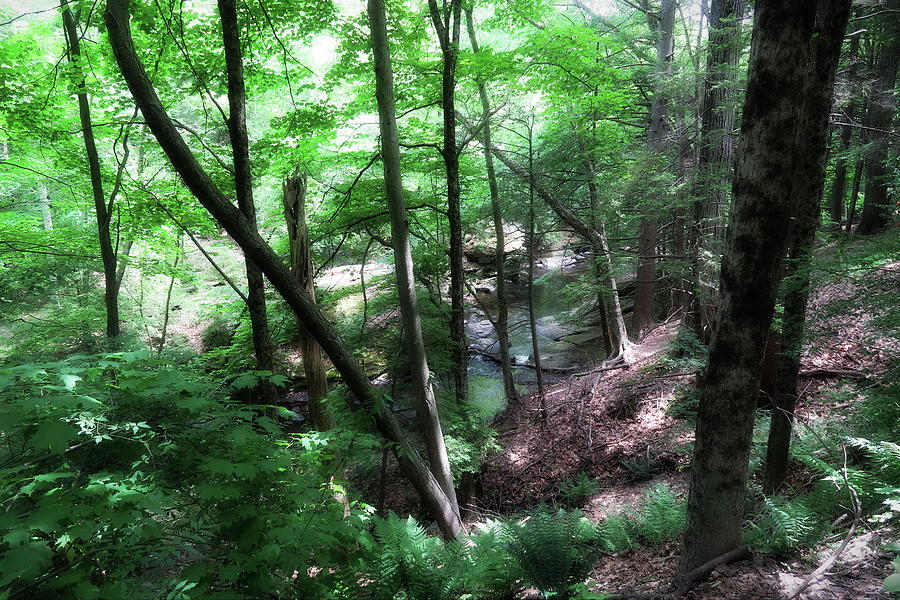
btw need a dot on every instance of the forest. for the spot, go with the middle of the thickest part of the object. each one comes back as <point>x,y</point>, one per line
<point>449,299</point>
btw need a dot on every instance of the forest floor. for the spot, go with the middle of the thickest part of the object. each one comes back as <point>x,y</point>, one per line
<point>616,426</point>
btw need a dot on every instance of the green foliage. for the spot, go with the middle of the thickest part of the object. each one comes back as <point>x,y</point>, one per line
<point>407,562</point>
<point>685,403</point>
<point>554,549</point>
<point>123,474</point>
<point>617,533</point>
<point>662,517</point>
<point>685,353</point>
<point>782,527</point>
<point>576,490</point>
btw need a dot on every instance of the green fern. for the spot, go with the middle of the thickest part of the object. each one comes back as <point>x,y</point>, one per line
<point>783,527</point>
<point>617,534</point>
<point>405,566</point>
<point>554,549</point>
<point>662,518</point>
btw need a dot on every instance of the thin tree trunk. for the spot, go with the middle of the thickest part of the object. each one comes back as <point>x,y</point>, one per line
<point>499,233</point>
<point>854,194</point>
<point>46,212</point>
<point>429,420</point>
<point>447,26</point>
<point>644,304</point>
<point>716,153</point>
<point>243,184</point>
<point>236,224</point>
<point>876,212</point>
<point>294,199</point>
<point>166,311</point>
<point>101,208</point>
<point>793,51</point>
<point>532,317</point>
<point>836,202</point>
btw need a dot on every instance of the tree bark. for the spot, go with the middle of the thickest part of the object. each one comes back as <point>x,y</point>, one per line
<point>294,199</point>
<point>716,153</point>
<point>876,212</point>
<point>497,216</point>
<point>101,208</point>
<point>243,184</point>
<point>838,187</point>
<point>447,26</point>
<point>773,146</point>
<point>809,181</point>
<point>657,136</point>
<point>236,224</point>
<point>429,420</point>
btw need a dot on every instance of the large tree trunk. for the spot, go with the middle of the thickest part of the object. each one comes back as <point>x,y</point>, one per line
<point>243,184</point>
<point>789,39</point>
<point>241,230</point>
<point>716,152</point>
<point>809,181</point>
<point>429,421</point>
<point>101,208</point>
<point>447,28</point>
<point>657,136</point>
<point>294,200</point>
<point>876,207</point>
<point>499,233</point>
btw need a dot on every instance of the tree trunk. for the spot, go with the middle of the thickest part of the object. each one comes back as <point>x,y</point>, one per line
<point>657,137</point>
<point>789,39</point>
<point>236,224</point>
<point>447,29</point>
<point>716,153</point>
<point>499,233</point>
<point>532,317</point>
<point>243,184</point>
<point>101,208</point>
<point>809,181</point>
<point>46,211</point>
<point>294,199</point>
<point>854,193</point>
<point>429,420</point>
<point>166,312</point>
<point>876,212</point>
<point>836,203</point>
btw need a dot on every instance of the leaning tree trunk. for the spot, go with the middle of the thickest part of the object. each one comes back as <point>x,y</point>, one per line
<point>773,147</point>
<point>241,230</point>
<point>509,386</point>
<point>243,183</point>
<point>716,152</point>
<point>447,29</point>
<point>854,193</point>
<point>657,136</point>
<point>102,210</point>
<point>429,420</point>
<point>876,206</point>
<point>294,199</point>
<point>809,181</point>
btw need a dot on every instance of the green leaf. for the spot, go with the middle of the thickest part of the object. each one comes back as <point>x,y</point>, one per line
<point>892,583</point>
<point>25,562</point>
<point>53,435</point>
<point>69,380</point>
<point>245,381</point>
